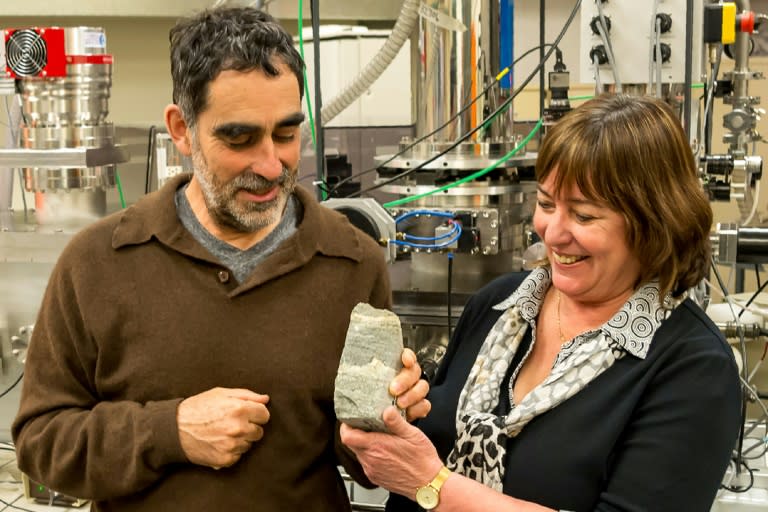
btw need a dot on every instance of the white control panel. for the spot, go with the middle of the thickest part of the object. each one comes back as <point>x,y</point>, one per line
<point>632,32</point>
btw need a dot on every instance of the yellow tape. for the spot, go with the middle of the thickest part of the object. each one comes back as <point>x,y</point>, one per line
<point>729,23</point>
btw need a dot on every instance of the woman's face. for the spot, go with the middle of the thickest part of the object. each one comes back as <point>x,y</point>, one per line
<point>586,245</point>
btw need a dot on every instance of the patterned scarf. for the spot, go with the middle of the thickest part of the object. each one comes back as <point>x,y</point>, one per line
<point>480,446</point>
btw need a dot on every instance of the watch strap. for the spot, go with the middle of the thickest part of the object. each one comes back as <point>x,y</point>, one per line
<point>439,480</point>
<point>428,496</point>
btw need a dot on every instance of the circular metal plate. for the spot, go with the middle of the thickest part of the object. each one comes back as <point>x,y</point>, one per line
<point>465,163</point>
<point>469,189</point>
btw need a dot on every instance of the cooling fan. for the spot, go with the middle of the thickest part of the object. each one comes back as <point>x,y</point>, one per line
<point>26,53</point>
<point>35,52</point>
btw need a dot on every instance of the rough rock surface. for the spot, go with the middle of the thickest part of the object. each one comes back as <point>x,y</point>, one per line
<point>370,360</point>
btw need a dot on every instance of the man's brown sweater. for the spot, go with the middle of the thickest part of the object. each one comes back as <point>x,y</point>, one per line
<point>138,316</point>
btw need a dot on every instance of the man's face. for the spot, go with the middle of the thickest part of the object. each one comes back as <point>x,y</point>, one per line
<point>245,148</point>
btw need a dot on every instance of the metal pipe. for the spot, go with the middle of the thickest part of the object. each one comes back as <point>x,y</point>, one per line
<point>542,42</point>
<point>741,61</point>
<point>459,53</point>
<point>732,244</point>
<point>320,134</point>
<point>736,330</point>
<point>64,157</point>
<point>688,68</point>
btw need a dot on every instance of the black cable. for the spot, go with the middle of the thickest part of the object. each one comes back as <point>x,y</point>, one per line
<point>23,195</point>
<point>719,277</point>
<point>150,158</point>
<point>751,479</point>
<point>710,94</point>
<point>314,8</point>
<point>542,37</point>
<point>757,274</point>
<point>470,133</point>
<point>752,298</point>
<point>450,291</point>
<point>740,441</point>
<point>755,424</point>
<point>688,67</point>
<point>421,139</point>
<point>760,442</point>
<point>15,383</point>
<point>18,85</point>
<point>16,141</point>
<point>15,507</point>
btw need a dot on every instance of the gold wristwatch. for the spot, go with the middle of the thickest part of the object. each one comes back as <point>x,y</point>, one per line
<point>428,497</point>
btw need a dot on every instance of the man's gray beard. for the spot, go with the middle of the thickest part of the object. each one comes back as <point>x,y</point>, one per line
<point>222,204</point>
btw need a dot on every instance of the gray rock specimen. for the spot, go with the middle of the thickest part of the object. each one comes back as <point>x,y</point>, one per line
<point>370,360</point>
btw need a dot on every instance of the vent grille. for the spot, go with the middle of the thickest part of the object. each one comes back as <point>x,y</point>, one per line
<point>26,53</point>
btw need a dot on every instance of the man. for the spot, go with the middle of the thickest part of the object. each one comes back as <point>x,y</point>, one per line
<point>186,348</point>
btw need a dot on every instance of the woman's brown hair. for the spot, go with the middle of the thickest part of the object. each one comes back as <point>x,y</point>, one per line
<point>631,154</point>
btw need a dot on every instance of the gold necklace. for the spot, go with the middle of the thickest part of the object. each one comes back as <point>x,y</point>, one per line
<point>563,339</point>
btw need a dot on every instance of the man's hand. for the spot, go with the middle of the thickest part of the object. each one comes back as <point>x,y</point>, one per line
<point>218,426</point>
<point>410,389</point>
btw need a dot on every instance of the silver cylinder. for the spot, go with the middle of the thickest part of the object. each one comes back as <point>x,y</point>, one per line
<point>453,66</point>
<point>71,112</point>
<point>44,179</point>
<point>741,57</point>
<point>79,98</point>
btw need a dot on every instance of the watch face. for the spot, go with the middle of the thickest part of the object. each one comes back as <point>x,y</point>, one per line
<point>427,497</point>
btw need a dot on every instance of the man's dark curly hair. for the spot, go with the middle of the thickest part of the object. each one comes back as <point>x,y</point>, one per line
<point>229,38</point>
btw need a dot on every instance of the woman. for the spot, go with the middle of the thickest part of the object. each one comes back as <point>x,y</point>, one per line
<point>592,382</point>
